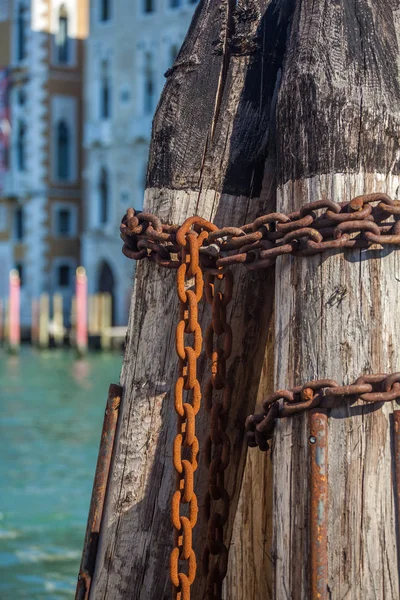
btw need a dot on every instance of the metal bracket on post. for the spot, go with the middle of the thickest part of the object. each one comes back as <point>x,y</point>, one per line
<point>88,561</point>
<point>318,421</point>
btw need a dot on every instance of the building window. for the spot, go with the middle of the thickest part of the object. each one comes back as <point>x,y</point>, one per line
<point>62,37</point>
<point>105,92</point>
<point>148,6</point>
<point>20,268</point>
<point>64,221</point>
<point>103,196</point>
<point>148,85</point>
<point>21,136</point>
<point>63,151</point>
<point>3,217</point>
<point>125,95</point>
<point>174,3</point>
<point>21,97</point>
<point>64,276</point>
<point>21,33</point>
<point>105,10</point>
<point>19,223</point>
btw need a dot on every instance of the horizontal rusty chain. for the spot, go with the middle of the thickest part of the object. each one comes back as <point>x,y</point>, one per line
<point>321,393</point>
<point>318,226</point>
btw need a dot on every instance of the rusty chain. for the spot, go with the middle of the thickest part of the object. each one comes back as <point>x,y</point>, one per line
<point>186,445</point>
<point>199,247</point>
<point>316,227</point>
<point>217,400</point>
<point>321,393</point>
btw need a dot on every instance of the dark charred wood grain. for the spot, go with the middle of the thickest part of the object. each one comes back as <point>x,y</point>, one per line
<point>212,123</point>
<point>339,102</point>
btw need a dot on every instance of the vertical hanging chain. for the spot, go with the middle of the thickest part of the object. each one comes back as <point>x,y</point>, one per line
<point>217,399</point>
<point>186,445</point>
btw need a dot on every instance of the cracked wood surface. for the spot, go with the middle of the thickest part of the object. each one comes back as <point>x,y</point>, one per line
<point>330,71</point>
<point>338,126</point>
<point>208,157</point>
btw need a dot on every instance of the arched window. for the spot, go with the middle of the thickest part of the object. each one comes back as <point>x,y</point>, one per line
<point>62,36</point>
<point>21,139</point>
<point>19,223</point>
<point>148,84</point>
<point>63,150</point>
<point>21,33</point>
<point>105,10</point>
<point>148,6</point>
<point>103,196</point>
<point>105,92</point>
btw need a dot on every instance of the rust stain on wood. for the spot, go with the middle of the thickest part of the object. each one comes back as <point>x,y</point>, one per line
<point>99,492</point>
<point>319,505</point>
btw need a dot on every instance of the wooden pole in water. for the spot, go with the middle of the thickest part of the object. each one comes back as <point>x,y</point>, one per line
<point>106,320</point>
<point>35,321</point>
<point>44,308</point>
<point>97,313</point>
<point>300,102</point>
<point>338,124</point>
<point>14,328</point>
<point>208,157</point>
<point>72,331</point>
<point>81,311</point>
<point>1,320</point>
<point>58,320</point>
<point>91,320</point>
<point>6,319</point>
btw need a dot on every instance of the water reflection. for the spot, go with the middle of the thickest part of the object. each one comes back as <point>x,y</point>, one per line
<point>52,408</point>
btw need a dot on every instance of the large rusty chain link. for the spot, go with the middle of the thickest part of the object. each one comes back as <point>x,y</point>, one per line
<point>321,393</point>
<point>318,226</point>
<point>217,400</point>
<point>186,445</point>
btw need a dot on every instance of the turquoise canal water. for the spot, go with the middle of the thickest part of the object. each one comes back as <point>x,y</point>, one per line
<point>51,414</point>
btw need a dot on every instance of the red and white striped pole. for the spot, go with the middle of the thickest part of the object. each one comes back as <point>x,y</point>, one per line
<point>14,326</point>
<point>81,311</point>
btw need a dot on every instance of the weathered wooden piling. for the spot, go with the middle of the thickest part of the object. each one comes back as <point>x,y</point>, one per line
<point>58,320</point>
<point>14,326</point>
<point>81,311</point>
<point>44,308</point>
<point>1,320</point>
<point>106,321</point>
<point>35,321</point>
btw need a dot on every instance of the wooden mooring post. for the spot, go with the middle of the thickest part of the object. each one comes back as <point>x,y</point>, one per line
<point>35,311</point>
<point>44,320</point>
<point>58,320</point>
<point>81,330</point>
<point>14,309</point>
<point>284,103</point>
<point>2,320</point>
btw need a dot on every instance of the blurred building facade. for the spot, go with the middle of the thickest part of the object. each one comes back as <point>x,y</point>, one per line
<point>131,45</point>
<point>41,84</point>
<point>79,83</point>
